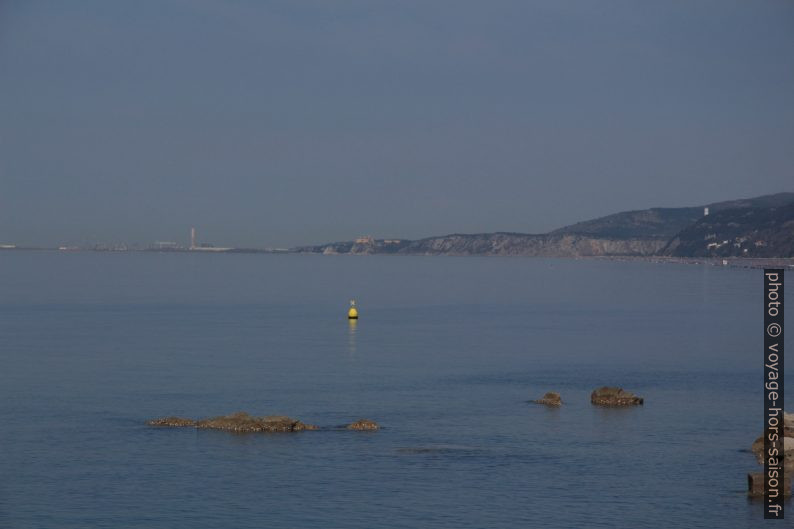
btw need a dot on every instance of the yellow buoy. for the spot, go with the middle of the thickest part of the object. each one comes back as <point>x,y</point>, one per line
<point>352,314</point>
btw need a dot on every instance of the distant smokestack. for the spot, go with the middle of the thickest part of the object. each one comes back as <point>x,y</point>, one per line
<point>192,238</point>
<point>705,212</point>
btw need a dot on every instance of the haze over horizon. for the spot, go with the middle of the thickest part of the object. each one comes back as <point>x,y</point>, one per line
<point>286,123</point>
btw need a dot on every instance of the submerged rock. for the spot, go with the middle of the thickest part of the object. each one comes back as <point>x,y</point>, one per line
<point>612,396</point>
<point>551,398</point>
<point>173,422</point>
<point>363,425</point>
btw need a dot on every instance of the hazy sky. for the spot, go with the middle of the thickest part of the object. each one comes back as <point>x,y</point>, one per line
<point>290,122</point>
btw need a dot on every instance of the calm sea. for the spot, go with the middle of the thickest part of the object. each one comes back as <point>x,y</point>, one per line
<point>445,357</point>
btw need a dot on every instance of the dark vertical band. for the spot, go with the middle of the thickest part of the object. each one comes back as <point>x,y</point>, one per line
<point>774,473</point>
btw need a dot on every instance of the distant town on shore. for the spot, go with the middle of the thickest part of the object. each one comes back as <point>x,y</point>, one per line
<point>760,227</point>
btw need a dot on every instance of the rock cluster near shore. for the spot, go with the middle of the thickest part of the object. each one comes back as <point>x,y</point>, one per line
<point>612,396</point>
<point>603,396</point>
<point>242,422</point>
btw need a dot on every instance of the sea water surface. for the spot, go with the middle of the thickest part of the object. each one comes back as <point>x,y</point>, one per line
<point>445,357</point>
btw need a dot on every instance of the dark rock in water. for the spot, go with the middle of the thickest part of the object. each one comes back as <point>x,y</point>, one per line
<point>611,396</point>
<point>174,422</point>
<point>755,485</point>
<point>243,422</point>
<point>551,398</point>
<point>363,425</point>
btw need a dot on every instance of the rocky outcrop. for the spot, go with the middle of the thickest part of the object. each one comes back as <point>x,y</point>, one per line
<point>755,481</point>
<point>363,425</point>
<point>613,396</point>
<point>173,422</point>
<point>551,398</point>
<point>243,422</point>
<point>757,448</point>
<point>239,422</point>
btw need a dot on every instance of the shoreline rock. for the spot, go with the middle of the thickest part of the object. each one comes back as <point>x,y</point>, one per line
<point>551,398</point>
<point>614,396</point>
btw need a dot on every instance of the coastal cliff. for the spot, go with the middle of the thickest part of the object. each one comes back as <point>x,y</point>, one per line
<point>562,245</point>
<point>756,227</point>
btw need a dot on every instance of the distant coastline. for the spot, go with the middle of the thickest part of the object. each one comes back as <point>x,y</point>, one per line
<point>731,262</point>
<point>744,230</point>
<point>760,227</point>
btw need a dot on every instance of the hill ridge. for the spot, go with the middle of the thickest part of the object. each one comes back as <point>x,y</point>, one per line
<point>767,231</point>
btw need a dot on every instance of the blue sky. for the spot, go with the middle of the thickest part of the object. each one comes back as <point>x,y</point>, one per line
<point>282,123</point>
